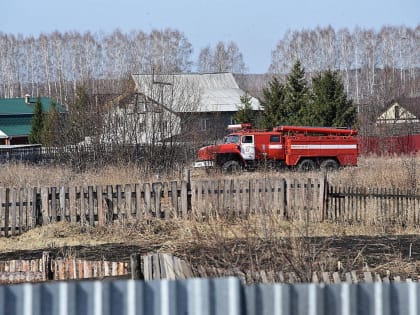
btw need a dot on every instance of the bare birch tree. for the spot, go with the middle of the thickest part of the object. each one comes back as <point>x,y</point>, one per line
<point>205,62</point>
<point>223,58</point>
<point>365,57</point>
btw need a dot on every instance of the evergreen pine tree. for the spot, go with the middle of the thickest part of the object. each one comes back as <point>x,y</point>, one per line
<point>245,113</point>
<point>296,94</point>
<point>79,120</point>
<point>37,123</point>
<point>49,130</point>
<point>272,103</point>
<point>330,105</point>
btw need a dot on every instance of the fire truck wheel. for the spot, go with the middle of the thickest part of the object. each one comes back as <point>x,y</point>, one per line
<point>231,167</point>
<point>306,165</point>
<point>329,165</point>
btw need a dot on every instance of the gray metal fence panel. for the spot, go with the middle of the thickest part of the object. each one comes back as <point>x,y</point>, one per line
<point>339,299</point>
<point>224,296</point>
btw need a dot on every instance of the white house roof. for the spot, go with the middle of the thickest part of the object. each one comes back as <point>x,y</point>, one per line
<point>218,92</point>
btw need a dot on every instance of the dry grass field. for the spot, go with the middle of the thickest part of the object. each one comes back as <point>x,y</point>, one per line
<point>264,243</point>
<point>398,172</point>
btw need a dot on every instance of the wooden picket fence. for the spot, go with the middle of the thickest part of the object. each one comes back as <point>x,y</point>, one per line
<point>373,205</point>
<point>22,209</point>
<point>157,266</point>
<point>289,198</point>
<point>272,276</point>
<point>310,199</point>
<point>47,268</point>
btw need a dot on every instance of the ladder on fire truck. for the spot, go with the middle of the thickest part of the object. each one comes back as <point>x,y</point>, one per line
<point>316,130</point>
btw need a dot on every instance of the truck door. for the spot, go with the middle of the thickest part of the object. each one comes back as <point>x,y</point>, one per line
<point>275,148</point>
<point>248,147</point>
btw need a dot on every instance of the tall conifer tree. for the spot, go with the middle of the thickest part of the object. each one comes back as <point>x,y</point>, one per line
<point>37,123</point>
<point>245,113</point>
<point>80,122</point>
<point>50,129</point>
<point>272,103</point>
<point>296,94</point>
<point>330,106</point>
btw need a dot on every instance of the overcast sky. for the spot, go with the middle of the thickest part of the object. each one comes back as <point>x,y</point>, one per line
<point>255,26</point>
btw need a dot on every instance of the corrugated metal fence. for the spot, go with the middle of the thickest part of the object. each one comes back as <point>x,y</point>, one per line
<point>219,296</point>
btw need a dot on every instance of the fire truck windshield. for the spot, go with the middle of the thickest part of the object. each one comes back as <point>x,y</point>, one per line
<point>232,139</point>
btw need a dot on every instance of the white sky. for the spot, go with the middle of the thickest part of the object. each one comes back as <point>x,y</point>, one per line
<point>255,26</point>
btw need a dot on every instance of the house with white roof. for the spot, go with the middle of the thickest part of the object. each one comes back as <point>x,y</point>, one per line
<point>205,103</point>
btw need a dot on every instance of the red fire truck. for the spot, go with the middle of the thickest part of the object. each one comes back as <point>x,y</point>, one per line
<point>304,148</point>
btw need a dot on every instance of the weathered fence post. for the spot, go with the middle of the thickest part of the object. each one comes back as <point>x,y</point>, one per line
<point>187,178</point>
<point>1,207</point>
<point>91,203</point>
<point>101,212</point>
<point>147,200</point>
<point>184,199</point>
<point>44,205</point>
<point>323,197</point>
<point>139,201</point>
<point>54,205</point>
<point>308,206</point>
<point>46,267</point>
<point>14,209</point>
<point>62,201</point>
<point>6,212</point>
<point>72,204</point>
<point>35,209</point>
<point>135,265</point>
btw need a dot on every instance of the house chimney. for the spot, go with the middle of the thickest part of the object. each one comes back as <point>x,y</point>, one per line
<point>27,98</point>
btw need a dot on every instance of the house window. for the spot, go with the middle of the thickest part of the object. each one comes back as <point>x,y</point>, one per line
<point>204,124</point>
<point>164,127</point>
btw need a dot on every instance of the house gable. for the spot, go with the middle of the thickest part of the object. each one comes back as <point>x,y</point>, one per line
<point>402,117</point>
<point>396,114</point>
<point>132,118</point>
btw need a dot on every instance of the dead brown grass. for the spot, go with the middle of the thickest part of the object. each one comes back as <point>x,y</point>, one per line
<point>387,172</point>
<point>400,172</point>
<point>24,175</point>
<point>258,242</point>
<point>175,232</point>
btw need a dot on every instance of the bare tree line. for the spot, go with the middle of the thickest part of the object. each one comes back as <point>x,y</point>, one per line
<point>380,65</point>
<point>374,64</point>
<point>52,64</point>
